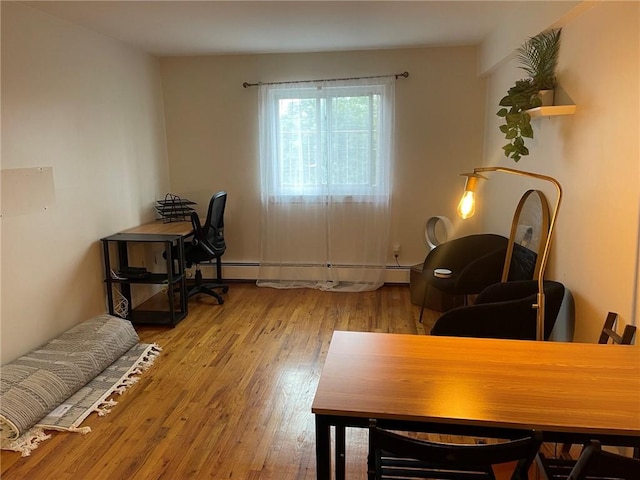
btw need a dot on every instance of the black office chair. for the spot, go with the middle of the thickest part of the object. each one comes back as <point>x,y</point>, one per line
<point>395,456</point>
<point>208,243</point>
<point>503,310</point>
<point>593,464</point>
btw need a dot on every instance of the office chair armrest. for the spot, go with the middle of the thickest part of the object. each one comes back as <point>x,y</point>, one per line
<point>199,239</point>
<point>204,245</point>
<point>197,227</point>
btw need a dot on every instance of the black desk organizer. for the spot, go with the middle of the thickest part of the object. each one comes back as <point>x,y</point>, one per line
<point>174,209</point>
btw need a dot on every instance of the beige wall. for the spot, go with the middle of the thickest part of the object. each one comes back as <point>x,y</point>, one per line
<point>212,132</point>
<point>91,109</point>
<point>522,20</point>
<point>595,154</point>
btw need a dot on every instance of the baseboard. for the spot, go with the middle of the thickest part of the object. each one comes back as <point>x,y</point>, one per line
<point>249,271</point>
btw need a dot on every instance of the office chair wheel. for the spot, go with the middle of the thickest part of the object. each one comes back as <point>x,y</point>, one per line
<point>225,289</point>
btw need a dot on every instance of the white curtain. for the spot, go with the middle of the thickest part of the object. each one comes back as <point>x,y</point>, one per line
<point>326,161</point>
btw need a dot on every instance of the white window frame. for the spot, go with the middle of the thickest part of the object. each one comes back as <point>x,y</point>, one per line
<point>378,161</point>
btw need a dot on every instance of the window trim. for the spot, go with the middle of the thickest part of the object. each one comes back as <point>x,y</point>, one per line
<point>378,186</point>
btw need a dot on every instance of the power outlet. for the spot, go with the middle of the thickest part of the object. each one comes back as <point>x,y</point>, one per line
<point>396,249</point>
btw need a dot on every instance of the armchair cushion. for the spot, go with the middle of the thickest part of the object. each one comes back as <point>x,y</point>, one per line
<point>503,310</point>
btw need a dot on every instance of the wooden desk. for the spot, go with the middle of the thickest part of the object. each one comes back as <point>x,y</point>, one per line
<point>158,227</point>
<point>170,234</point>
<point>474,386</point>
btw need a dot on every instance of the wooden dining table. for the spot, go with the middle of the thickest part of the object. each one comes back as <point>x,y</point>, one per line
<point>571,392</point>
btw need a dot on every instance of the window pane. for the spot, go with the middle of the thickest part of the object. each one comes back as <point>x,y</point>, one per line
<point>350,141</point>
<point>299,142</point>
<point>327,138</point>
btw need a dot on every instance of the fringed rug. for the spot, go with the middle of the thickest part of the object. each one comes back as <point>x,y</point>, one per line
<point>93,397</point>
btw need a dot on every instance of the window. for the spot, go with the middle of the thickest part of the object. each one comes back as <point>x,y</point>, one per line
<point>326,140</point>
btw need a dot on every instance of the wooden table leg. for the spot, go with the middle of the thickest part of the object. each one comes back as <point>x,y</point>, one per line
<point>323,448</point>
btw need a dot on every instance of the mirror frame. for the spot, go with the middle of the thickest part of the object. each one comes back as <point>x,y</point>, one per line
<point>544,232</point>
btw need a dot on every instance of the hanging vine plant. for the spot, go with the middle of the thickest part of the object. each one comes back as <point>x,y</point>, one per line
<point>539,58</point>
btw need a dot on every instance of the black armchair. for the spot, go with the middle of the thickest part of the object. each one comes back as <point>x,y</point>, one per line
<point>208,243</point>
<point>475,262</point>
<point>503,310</point>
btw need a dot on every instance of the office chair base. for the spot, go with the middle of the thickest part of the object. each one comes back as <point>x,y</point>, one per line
<point>208,290</point>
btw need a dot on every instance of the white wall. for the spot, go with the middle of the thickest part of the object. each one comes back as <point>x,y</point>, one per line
<point>595,154</point>
<point>92,109</point>
<point>212,132</point>
<point>522,20</point>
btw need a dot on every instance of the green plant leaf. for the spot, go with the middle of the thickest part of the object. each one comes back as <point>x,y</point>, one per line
<point>505,101</point>
<point>526,131</point>
<point>502,112</point>
<point>539,58</point>
<point>525,120</point>
<point>511,135</point>
<point>513,118</point>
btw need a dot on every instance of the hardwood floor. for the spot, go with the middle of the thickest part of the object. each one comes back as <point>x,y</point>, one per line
<point>230,396</point>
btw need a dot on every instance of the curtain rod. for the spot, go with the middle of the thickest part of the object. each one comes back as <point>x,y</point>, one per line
<point>397,75</point>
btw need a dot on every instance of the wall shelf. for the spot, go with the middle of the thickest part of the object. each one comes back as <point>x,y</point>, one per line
<point>552,110</point>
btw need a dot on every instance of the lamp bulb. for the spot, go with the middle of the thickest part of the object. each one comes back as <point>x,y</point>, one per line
<point>467,207</point>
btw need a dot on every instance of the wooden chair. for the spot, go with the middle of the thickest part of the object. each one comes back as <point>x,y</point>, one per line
<point>595,464</point>
<point>395,456</point>
<point>608,332</point>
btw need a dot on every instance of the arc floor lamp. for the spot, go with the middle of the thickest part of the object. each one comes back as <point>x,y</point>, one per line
<point>466,209</point>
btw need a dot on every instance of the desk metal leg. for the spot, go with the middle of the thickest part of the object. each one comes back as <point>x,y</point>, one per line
<point>323,449</point>
<point>125,288</point>
<point>340,452</point>
<point>107,276</point>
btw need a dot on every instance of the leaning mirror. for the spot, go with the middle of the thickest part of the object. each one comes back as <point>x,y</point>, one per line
<point>529,231</point>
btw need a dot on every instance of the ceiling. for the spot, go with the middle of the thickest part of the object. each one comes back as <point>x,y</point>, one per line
<point>167,28</point>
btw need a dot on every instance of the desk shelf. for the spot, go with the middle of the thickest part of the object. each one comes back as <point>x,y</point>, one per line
<point>174,277</point>
<point>153,279</point>
<point>153,317</point>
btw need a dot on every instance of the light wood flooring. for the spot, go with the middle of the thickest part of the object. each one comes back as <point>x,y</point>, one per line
<point>230,396</point>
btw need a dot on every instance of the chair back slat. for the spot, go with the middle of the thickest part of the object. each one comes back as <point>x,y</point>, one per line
<point>609,333</point>
<point>396,456</point>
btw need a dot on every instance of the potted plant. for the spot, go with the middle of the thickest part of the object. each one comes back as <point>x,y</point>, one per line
<point>539,58</point>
